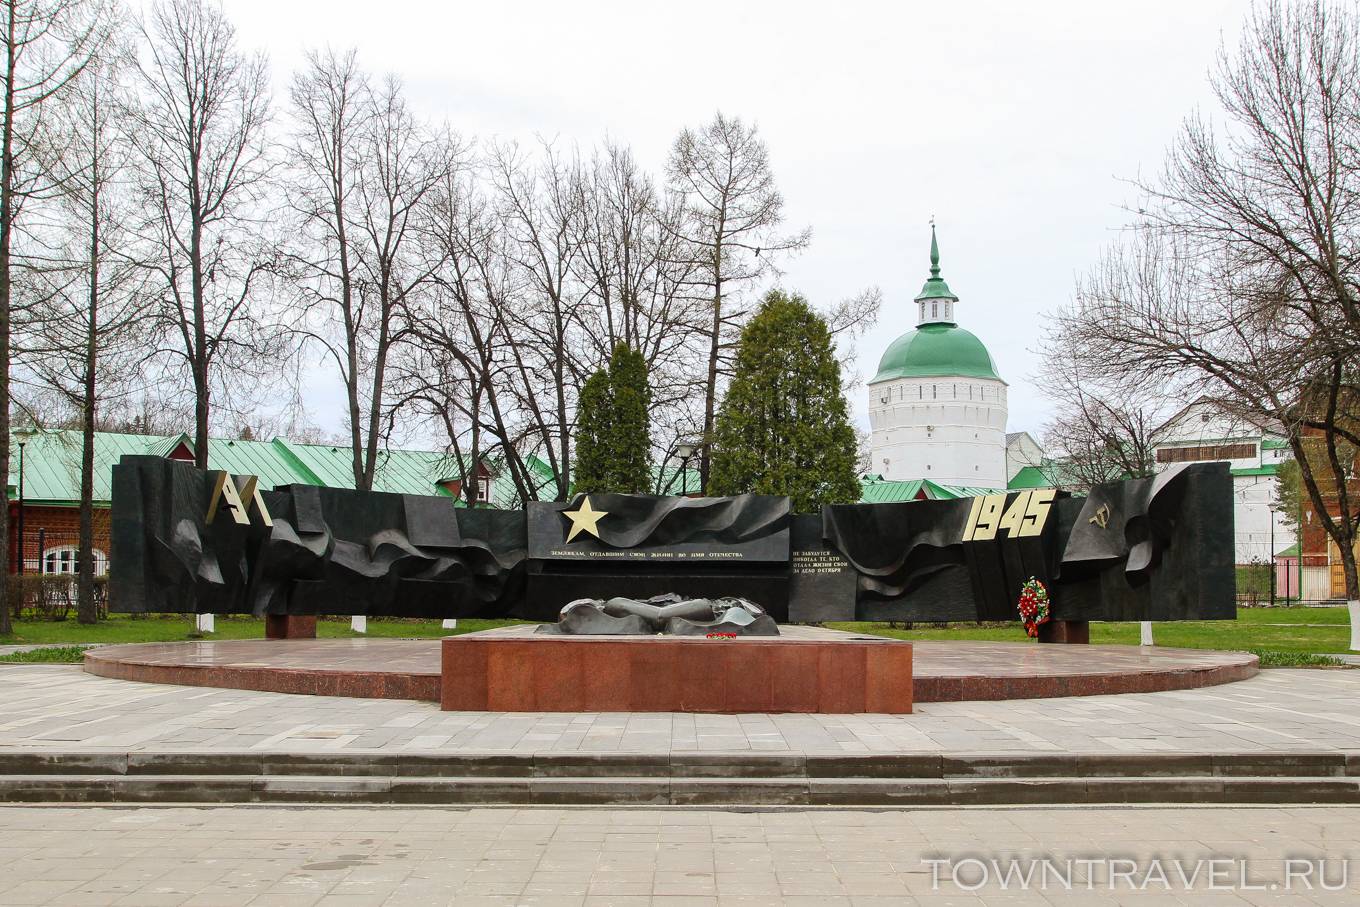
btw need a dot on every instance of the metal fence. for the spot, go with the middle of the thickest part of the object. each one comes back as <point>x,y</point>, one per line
<point>55,553</point>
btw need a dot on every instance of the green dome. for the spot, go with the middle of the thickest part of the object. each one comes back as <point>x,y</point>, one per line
<point>936,350</point>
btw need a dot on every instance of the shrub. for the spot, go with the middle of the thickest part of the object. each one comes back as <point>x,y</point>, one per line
<point>51,596</point>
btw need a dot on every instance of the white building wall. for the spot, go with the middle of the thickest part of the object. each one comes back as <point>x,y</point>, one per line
<point>948,430</point>
<point>1021,451</point>
<point>1201,424</point>
<point>1252,496</point>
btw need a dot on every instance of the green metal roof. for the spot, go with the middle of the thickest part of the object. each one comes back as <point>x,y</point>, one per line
<point>397,471</point>
<point>1049,474</point>
<point>874,490</point>
<point>936,350</point>
<point>972,491</point>
<point>52,464</point>
<point>1269,469</point>
<point>1269,443</point>
<point>267,459</point>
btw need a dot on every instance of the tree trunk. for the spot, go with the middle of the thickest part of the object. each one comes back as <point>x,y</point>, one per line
<point>86,613</point>
<point>200,351</point>
<point>6,229</point>
<point>711,382</point>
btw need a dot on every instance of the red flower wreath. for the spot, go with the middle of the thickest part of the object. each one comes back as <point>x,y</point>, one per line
<point>1033,605</point>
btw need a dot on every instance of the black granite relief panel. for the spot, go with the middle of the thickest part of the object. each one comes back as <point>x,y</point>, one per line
<point>640,546</point>
<point>164,555</point>
<point>1158,548</point>
<point>322,551</point>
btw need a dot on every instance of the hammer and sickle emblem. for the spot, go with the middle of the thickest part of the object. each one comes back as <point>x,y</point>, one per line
<point>1102,517</point>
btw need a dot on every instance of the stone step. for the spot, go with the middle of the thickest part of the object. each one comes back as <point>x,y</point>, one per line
<point>744,766</point>
<point>669,791</point>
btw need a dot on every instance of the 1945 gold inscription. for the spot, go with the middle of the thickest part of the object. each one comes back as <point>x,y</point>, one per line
<point>1025,517</point>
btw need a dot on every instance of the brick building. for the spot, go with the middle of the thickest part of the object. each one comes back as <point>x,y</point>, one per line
<point>47,465</point>
<point>1322,574</point>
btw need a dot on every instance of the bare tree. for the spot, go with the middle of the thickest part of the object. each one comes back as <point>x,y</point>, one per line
<point>363,169</point>
<point>201,135</point>
<point>331,107</point>
<point>848,320</point>
<point>47,44</point>
<point>540,209</point>
<point>403,163</point>
<point>1270,206</point>
<point>638,274</point>
<point>87,336</point>
<point>722,174</point>
<point>1105,423</point>
<point>1240,285</point>
<point>457,365</point>
<point>1156,311</point>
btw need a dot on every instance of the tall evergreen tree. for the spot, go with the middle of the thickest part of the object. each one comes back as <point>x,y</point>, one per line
<point>613,438</point>
<point>783,428</point>
<point>631,425</point>
<point>592,440</point>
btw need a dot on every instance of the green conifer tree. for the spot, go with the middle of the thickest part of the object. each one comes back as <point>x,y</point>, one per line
<point>632,437</point>
<point>783,427</point>
<point>592,440</point>
<point>613,427</point>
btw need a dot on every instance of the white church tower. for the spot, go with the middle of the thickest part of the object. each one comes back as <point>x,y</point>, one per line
<point>937,407</point>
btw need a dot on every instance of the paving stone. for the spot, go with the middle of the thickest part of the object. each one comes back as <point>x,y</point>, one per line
<point>57,707</point>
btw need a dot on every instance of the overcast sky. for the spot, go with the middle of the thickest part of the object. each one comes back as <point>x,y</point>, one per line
<point>1012,123</point>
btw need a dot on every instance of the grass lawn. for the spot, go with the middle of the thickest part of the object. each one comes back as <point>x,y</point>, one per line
<point>1270,630</point>
<point>1293,629</point>
<point>171,628</point>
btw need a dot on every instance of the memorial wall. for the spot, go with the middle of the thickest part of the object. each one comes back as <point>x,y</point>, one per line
<point>196,541</point>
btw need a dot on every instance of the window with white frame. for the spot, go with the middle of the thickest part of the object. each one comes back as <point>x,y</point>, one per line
<point>484,490</point>
<point>66,559</point>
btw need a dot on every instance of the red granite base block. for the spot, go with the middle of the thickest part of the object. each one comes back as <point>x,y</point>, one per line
<point>289,626</point>
<point>676,674</point>
<point>1066,631</point>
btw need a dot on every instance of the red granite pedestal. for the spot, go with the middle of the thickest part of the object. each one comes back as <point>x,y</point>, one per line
<point>289,626</point>
<point>943,671</point>
<point>550,673</point>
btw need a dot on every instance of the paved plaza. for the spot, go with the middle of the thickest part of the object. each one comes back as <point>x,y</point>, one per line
<point>62,707</point>
<point>274,857</point>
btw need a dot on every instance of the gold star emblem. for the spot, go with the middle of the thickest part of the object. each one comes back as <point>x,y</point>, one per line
<point>584,520</point>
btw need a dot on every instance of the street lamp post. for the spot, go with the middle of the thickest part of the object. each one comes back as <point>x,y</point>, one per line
<point>22,437</point>
<point>1272,555</point>
<point>1299,564</point>
<point>684,450</point>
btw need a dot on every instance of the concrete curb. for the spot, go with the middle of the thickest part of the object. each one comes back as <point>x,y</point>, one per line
<point>942,766</point>
<point>618,791</point>
<point>682,779</point>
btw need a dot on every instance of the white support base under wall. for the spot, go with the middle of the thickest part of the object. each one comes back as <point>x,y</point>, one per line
<point>450,624</point>
<point>358,624</point>
<point>205,623</point>
<point>1145,630</point>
